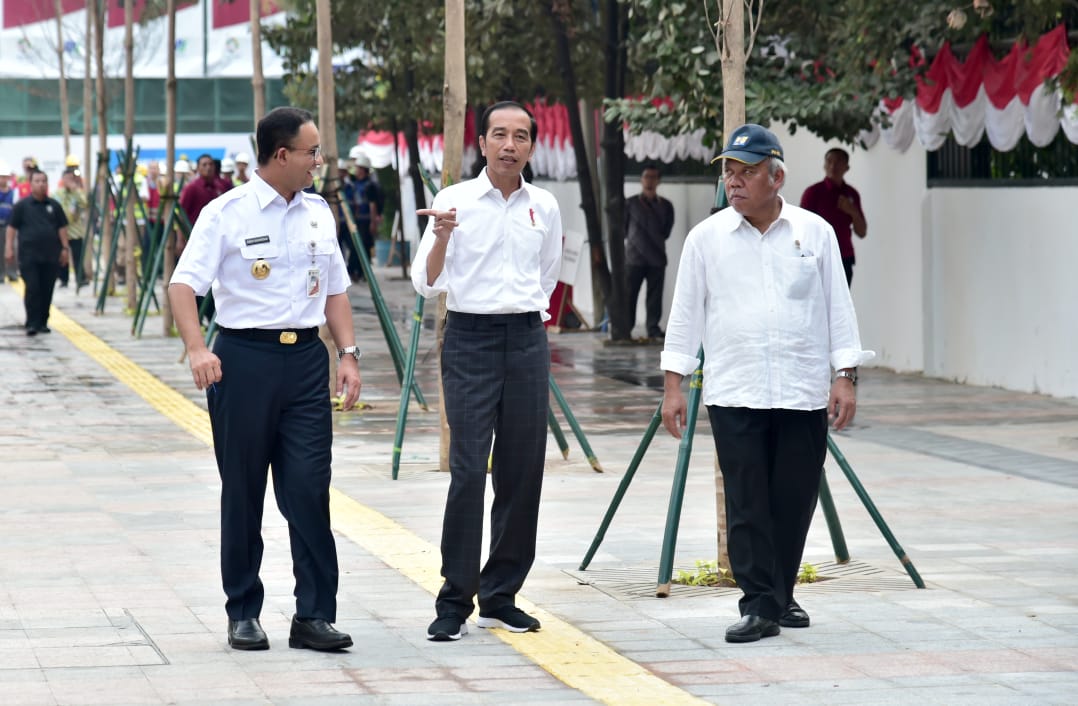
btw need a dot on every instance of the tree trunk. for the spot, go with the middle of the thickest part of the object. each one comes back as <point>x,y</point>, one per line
<point>106,277</point>
<point>258,80</point>
<point>455,101</point>
<point>730,42</point>
<point>65,107</point>
<point>588,202</point>
<point>614,171</point>
<point>732,53</point>
<point>87,111</point>
<point>168,194</point>
<point>327,128</point>
<point>131,238</point>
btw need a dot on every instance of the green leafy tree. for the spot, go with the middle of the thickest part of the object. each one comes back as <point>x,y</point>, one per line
<point>819,66</point>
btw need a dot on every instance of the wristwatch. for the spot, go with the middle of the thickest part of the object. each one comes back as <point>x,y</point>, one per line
<point>850,374</point>
<point>349,350</point>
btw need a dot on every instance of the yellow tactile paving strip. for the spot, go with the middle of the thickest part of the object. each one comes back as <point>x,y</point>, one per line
<point>567,653</point>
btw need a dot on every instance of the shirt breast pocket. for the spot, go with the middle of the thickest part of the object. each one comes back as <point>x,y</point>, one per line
<point>261,251</point>
<point>800,276</point>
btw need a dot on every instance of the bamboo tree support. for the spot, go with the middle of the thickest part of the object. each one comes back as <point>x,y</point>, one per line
<point>873,512</point>
<point>575,426</point>
<point>93,228</point>
<point>96,222</point>
<point>127,189</point>
<point>834,526</point>
<point>385,320</point>
<point>677,492</point>
<point>666,560</point>
<point>406,384</point>
<point>176,219</point>
<point>555,429</point>
<point>623,486</point>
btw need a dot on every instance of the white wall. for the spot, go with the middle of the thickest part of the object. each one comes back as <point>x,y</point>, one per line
<point>1003,282</point>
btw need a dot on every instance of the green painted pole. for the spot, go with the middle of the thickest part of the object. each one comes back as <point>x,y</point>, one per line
<point>126,188</point>
<point>406,384</point>
<point>834,526</point>
<point>874,513</point>
<point>555,429</point>
<point>155,263</point>
<point>575,426</point>
<point>389,331</point>
<point>641,449</point>
<point>677,492</point>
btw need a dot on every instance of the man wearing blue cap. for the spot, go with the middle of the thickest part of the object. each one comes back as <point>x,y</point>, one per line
<point>761,286</point>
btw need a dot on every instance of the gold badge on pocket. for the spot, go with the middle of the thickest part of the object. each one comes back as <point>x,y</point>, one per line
<point>261,269</point>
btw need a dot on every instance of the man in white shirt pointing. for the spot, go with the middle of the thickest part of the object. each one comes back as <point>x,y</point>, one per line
<point>761,286</point>
<point>493,244</point>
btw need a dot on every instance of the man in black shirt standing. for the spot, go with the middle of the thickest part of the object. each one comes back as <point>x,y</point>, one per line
<point>41,227</point>
<point>649,218</point>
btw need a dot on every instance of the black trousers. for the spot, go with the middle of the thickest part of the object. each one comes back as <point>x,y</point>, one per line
<point>771,461</point>
<point>653,301</point>
<point>272,408</point>
<point>39,282</point>
<point>495,373</point>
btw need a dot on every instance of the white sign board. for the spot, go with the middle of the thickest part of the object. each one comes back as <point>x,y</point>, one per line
<point>573,248</point>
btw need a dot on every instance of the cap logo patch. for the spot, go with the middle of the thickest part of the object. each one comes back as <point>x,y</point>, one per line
<point>740,140</point>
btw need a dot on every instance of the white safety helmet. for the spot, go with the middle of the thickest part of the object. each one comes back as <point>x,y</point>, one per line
<point>243,158</point>
<point>359,157</point>
<point>182,167</point>
<point>228,165</point>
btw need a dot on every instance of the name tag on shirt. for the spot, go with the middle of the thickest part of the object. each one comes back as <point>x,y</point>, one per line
<point>313,285</point>
<point>257,241</point>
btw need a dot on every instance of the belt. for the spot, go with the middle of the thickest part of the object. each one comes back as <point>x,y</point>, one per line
<point>283,336</point>
<point>494,319</point>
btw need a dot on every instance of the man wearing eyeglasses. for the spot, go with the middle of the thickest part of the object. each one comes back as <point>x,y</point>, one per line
<point>269,251</point>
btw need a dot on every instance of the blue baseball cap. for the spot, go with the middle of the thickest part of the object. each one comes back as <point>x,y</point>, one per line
<point>751,144</point>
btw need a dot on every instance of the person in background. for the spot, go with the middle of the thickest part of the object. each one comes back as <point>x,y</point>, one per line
<point>649,218</point>
<point>364,196</point>
<point>22,184</point>
<point>72,198</point>
<point>760,286</point>
<point>200,189</point>
<point>839,204</point>
<point>7,203</point>
<point>242,159</point>
<point>39,224</point>
<point>150,192</point>
<point>228,171</point>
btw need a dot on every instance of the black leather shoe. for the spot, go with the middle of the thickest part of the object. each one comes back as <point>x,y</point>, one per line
<point>794,617</point>
<point>247,634</point>
<point>751,628</point>
<point>317,634</point>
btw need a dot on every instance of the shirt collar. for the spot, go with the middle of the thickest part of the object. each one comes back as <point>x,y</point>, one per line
<point>734,220</point>
<point>264,192</point>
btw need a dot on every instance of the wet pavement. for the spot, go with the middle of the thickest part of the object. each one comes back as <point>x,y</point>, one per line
<point>109,588</point>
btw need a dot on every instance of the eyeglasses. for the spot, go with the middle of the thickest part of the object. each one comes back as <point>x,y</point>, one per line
<point>313,153</point>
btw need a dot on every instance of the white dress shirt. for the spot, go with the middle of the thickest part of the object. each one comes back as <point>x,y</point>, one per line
<point>253,222</point>
<point>773,311</point>
<point>504,255</point>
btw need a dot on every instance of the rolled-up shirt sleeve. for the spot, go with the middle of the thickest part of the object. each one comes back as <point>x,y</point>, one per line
<point>846,351</point>
<point>426,244</point>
